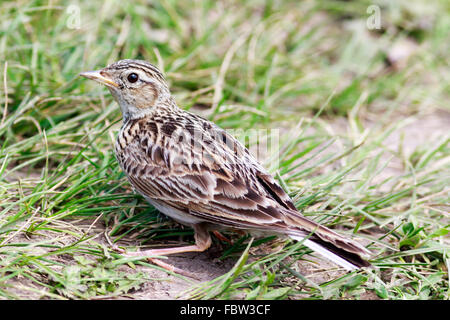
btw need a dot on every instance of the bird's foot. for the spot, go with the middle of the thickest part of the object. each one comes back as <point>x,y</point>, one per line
<point>148,255</point>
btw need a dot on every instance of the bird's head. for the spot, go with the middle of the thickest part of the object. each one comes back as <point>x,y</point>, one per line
<point>137,86</point>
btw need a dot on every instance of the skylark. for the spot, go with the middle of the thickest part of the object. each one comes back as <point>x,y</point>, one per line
<point>196,173</point>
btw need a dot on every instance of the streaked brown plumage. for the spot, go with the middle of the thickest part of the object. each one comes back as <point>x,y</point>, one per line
<point>198,174</point>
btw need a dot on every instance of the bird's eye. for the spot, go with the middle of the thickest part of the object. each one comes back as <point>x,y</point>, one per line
<point>133,77</point>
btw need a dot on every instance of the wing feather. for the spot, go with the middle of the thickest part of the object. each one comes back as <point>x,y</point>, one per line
<point>211,177</point>
<point>207,172</point>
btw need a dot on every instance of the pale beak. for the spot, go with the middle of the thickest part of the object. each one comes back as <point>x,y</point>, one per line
<point>96,76</point>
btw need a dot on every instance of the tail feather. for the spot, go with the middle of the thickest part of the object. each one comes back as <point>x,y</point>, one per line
<point>346,259</point>
<point>339,249</point>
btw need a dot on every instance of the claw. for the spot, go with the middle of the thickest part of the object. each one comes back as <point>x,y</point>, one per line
<point>155,261</point>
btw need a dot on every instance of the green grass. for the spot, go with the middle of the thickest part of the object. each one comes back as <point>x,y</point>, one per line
<point>312,70</point>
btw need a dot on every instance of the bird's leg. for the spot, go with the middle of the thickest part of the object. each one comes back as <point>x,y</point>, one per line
<point>202,242</point>
<point>221,237</point>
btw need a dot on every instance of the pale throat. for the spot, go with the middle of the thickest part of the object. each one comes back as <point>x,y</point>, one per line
<point>141,106</point>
